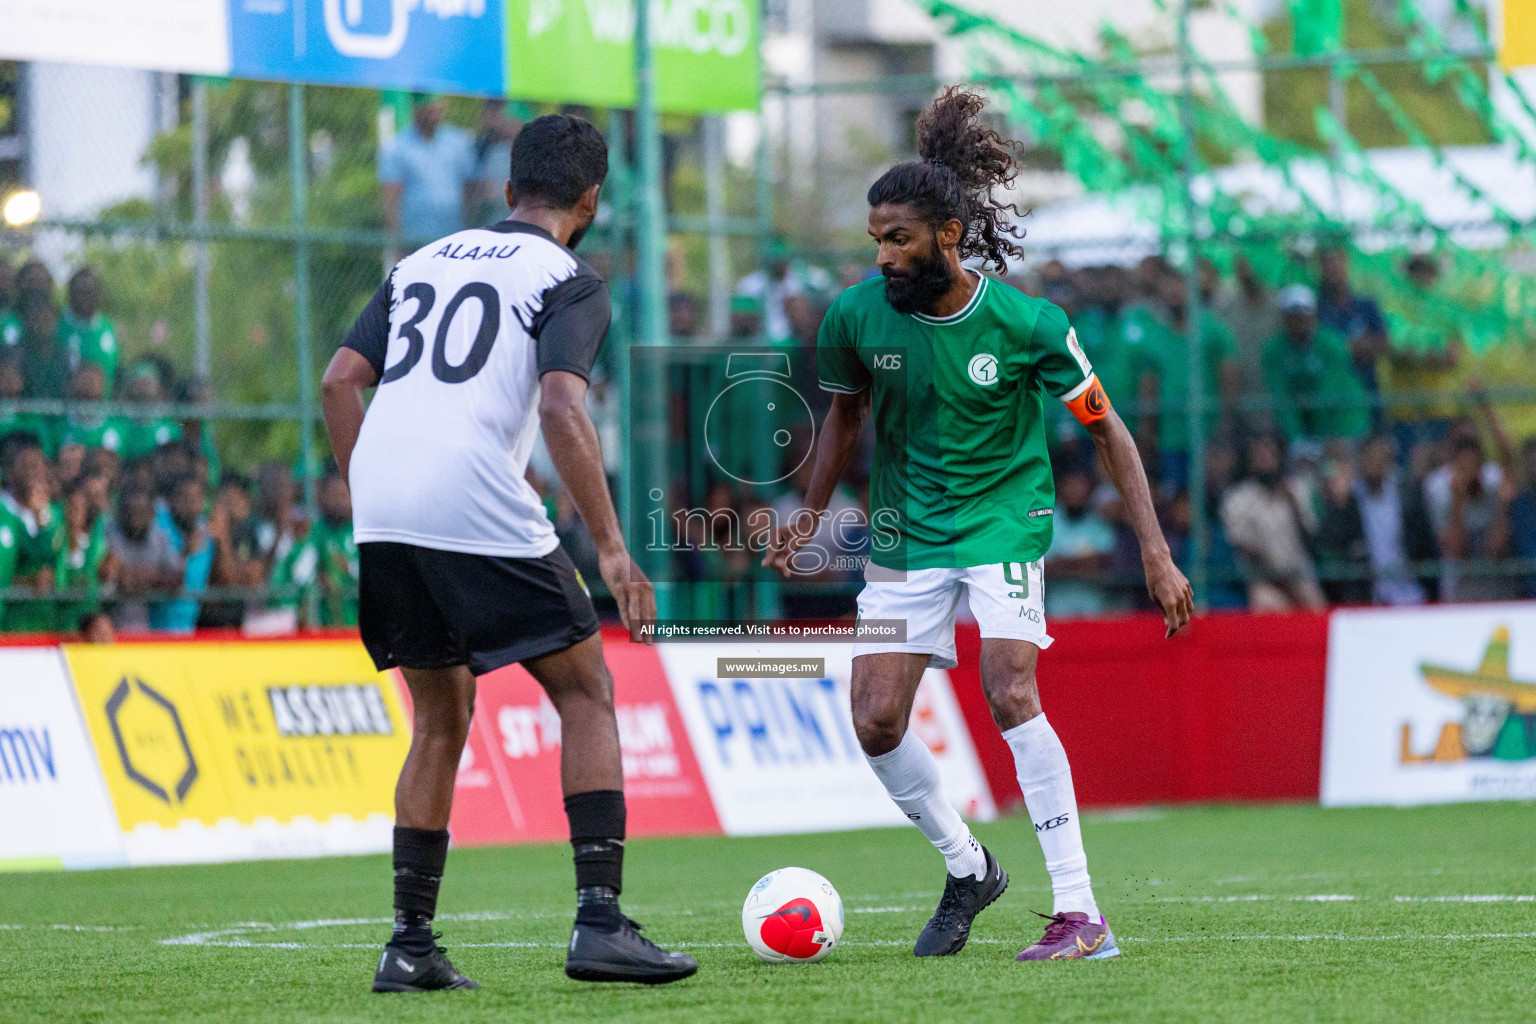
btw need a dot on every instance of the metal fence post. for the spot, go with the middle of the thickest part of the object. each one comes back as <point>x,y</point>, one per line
<point>202,357</point>
<point>651,255</point>
<point>1199,527</point>
<point>620,335</point>
<point>713,138</point>
<point>298,174</point>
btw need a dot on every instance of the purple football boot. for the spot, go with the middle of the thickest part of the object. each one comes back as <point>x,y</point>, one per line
<point>1072,936</point>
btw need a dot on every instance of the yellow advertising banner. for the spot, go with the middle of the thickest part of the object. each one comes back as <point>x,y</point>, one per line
<point>250,732</point>
<point>1519,49</point>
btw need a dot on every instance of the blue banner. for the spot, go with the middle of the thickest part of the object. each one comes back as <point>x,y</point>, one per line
<point>452,46</point>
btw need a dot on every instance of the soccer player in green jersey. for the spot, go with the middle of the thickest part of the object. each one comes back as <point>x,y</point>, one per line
<point>954,367</point>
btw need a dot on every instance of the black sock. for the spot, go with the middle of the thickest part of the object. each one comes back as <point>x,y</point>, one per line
<point>597,842</point>
<point>419,858</point>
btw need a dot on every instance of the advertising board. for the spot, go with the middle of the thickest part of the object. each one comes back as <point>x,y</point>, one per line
<point>1431,706</point>
<point>240,751</point>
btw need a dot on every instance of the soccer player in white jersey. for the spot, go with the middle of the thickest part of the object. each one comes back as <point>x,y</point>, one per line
<point>475,342</point>
<point>954,366</point>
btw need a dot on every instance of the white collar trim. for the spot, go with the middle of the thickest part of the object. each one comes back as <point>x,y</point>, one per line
<point>970,307</point>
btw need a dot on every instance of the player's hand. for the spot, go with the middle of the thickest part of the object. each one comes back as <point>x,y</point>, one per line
<point>1170,591</point>
<point>633,593</point>
<point>786,540</point>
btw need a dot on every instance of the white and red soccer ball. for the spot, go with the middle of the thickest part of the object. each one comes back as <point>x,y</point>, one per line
<point>792,916</point>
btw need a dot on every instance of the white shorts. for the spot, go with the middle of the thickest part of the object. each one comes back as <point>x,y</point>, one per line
<point>1007,598</point>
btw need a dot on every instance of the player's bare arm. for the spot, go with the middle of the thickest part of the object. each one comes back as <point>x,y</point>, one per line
<point>578,457</point>
<point>1169,589</point>
<point>341,399</point>
<point>839,439</point>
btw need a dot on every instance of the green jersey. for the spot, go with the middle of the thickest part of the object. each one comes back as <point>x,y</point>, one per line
<point>1217,346</point>
<point>1322,374</point>
<point>144,437</point>
<point>10,330</point>
<point>44,428</point>
<point>110,432</point>
<point>294,567</point>
<point>961,475</point>
<point>91,341</point>
<point>1121,346</point>
<point>10,551</point>
<point>78,567</point>
<point>339,573</point>
<point>37,546</point>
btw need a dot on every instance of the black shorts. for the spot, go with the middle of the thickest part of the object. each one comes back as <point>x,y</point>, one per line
<point>424,608</point>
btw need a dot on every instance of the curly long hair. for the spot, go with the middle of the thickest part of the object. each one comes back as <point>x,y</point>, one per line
<point>964,160</point>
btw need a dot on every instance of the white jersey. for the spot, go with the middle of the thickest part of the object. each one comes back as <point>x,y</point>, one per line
<point>460,334</point>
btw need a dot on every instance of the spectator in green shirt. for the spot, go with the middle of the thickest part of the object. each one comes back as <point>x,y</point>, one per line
<point>82,563</point>
<point>32,281</point>
<point>1311,375</point>
<point>89,429</point>
<point>1116,336</point>
<point>44,361</point>
<point>26,506</point>
<point>332,538</point>
<point>13,385</point>
<point>88,335</point>
<point>1165,383</point>
<point>146,433</point>
<point>10,550</point>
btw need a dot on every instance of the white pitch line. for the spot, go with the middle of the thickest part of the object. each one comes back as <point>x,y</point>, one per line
<point>1497,898</point>
<point>1327,897</point>
<point>1448,937</point>
<point>1331,938</point>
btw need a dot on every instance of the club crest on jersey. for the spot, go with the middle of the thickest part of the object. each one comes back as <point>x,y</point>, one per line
<point>982,369</point>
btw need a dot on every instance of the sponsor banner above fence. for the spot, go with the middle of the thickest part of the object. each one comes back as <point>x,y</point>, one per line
<point>239,751</point>
<point>582,51</point>
<point>779,754</point>
<point>446,45</point>
<point>1431,706</point>
<point>54,810</point>
<point>508,789</point>
<point>191,36</point>
<point>562,51</point>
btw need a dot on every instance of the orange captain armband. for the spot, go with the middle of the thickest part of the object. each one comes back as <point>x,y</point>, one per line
<point>1088,401</point>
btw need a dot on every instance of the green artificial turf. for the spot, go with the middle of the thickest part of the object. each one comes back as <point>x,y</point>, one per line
<point>1223,914</point>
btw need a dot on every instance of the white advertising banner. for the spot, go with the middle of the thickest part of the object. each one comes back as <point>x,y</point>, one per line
<point>156,35</point>
<point>54,810</point>
<point>780,756</point>
<point>1431,706</point>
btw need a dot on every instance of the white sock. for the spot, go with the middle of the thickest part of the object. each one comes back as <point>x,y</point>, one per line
<point>1046,779</point>
<point>911,776</point>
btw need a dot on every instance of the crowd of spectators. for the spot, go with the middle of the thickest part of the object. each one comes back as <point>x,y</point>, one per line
<point>1341,466</point>
<point>1344,464</point>
<point>116,515</point>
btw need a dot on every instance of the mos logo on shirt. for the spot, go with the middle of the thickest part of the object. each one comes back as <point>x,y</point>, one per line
<point>983,369</point>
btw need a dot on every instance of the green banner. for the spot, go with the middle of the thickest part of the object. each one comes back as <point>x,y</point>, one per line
<point>581,51</point>
<point>1319,26</point>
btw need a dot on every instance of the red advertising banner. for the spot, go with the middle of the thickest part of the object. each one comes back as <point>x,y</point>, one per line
<point>1230,709</point>
<point>508,788</point>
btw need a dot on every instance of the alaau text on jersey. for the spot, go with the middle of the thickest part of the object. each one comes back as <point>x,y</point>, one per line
<point>459,335</point>
<point>961,467</point>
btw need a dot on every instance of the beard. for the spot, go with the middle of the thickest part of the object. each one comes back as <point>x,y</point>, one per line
<point>577,236</point>
<point>919,289</point>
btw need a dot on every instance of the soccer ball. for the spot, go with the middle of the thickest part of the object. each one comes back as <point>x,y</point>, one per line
<point>792,916</point>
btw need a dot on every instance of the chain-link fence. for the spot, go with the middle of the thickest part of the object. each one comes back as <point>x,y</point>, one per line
<point>1348,423</point>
